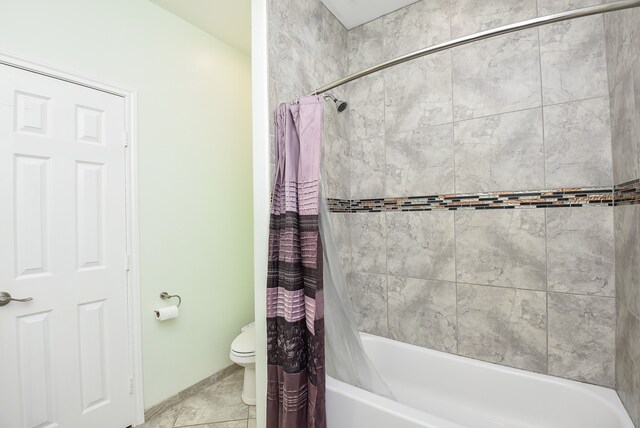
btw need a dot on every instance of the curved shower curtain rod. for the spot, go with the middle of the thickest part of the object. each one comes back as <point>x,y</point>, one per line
<point>505,29</point>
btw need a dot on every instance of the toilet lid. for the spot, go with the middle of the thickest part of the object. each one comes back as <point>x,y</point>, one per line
<point>245,343</point>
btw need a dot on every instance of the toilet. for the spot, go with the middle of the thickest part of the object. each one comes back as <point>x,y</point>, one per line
<point>243,353</point>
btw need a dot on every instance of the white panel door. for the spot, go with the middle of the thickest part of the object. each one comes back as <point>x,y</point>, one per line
<point>64,356</point>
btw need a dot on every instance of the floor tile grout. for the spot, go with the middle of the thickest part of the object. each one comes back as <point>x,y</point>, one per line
<point>213,423</point>
<point>217,406</point>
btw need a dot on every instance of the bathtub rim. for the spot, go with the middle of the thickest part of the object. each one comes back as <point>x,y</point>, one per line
<point>606,396</point>
<point>401,410</point>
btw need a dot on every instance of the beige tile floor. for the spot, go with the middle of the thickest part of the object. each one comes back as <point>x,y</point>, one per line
<point>218,406</point>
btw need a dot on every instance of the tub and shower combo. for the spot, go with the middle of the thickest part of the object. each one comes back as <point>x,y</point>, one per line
<point>434,389</point>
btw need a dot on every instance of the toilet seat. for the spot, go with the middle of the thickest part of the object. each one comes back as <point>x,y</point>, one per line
<point>243,352</point>
<point>244,346</point>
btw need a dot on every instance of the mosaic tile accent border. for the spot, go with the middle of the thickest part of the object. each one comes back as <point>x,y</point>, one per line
<point>627,193</point>
<point>557,198</point>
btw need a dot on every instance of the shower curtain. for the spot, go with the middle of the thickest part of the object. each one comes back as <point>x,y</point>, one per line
<point>295,301</point>
<point>303,269</point>
<point>345,356</point>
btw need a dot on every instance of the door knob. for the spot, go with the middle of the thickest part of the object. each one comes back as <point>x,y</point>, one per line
<point>5,298</point>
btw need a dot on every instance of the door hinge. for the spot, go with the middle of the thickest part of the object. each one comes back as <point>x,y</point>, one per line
<point>127,262</point>
<point>125,137</point>
<point>130,386</point>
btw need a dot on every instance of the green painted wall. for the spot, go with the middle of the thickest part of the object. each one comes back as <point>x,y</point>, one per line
<point>195,165</point>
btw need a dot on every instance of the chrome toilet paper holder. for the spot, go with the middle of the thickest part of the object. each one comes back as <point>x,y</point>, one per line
<point>164,296</point>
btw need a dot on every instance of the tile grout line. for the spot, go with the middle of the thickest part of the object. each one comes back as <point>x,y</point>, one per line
<point>544,175</point>
<point>455,189</point>
<point>546,235</point>
<point>454,121</point>
<point>386,231</point>
<point>384,189</point>
<point>175,421</point>
<point>546,282</point>
<point>454,282</point>
<point>182,403</point>
<point>455,268</point>
<point>217,422</point>
<point>207,424</point>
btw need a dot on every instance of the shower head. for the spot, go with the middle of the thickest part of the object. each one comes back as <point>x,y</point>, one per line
<point>340,105</point>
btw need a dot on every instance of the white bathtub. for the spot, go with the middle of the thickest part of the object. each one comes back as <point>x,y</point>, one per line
<point>440,390</point>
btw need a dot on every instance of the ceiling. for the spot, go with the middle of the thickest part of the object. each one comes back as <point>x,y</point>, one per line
<point>356,12</point>
<point>229,21</point>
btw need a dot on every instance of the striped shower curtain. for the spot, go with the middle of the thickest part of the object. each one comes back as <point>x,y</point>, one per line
<point>295,301</point>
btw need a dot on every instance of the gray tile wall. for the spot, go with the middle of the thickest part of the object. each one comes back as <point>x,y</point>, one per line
<point>622,36</point>
<point>308,48</point>
<point>529,288</point>
<point>523,111</point>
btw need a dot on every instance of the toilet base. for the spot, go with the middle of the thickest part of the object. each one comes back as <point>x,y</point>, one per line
<point>249,386</point>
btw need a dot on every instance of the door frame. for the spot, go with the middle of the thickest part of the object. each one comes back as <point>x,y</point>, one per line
<point>132,207</point>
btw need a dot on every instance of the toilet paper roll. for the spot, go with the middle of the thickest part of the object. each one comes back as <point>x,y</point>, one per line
<point>166,313</point>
